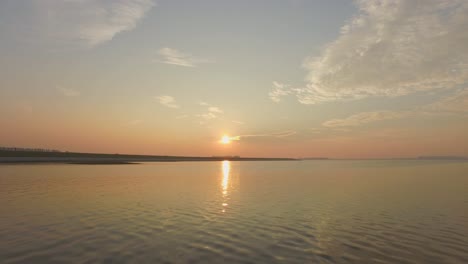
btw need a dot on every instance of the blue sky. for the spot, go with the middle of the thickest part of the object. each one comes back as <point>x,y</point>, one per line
<point>367,78</point>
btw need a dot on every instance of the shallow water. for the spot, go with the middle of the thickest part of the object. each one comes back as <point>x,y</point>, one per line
<point>249,212</point>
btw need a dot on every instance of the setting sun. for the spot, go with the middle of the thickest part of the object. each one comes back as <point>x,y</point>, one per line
<point>225,139</point>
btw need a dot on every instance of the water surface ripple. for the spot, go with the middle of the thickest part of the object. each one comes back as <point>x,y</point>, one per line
<point>235,212</point>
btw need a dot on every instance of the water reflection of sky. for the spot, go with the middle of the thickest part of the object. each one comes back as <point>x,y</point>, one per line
<point>315,211</point>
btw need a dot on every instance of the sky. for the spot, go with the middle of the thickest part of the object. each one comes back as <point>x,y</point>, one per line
<point>279,78</point>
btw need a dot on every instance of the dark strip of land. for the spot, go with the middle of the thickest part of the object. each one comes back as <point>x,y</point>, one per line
<point>26,156</point>
<point>98,158</point>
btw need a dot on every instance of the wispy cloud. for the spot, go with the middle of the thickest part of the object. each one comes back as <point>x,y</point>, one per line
<point>207,116</point>
<point>214,109</point>
<point>176,57</point>
<point>83,22</point>
<point>279,90</point>
<point>391,48</point>
<point>237,122</point>
<point>213,112</point>
<point>68,92</point>
<point>234,138</point>
<point>281,134</point>
<point>167,101</point>
<point>457,102</point>
<point>453,104</point>
<point>365,117</point>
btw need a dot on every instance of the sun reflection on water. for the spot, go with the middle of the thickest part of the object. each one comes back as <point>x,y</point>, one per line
<point>226,165</point>
<point>226,168</point>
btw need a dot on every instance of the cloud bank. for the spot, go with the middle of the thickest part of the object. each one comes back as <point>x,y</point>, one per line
<point>390,48</point>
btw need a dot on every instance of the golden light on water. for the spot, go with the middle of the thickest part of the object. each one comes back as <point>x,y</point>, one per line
<point>226,168</point>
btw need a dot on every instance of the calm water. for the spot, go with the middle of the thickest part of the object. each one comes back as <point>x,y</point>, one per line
<point>249,212</point>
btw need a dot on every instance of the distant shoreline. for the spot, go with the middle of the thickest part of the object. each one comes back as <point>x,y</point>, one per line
<point>36,157</point>
<point>103,161</point>
<point>43,157</point>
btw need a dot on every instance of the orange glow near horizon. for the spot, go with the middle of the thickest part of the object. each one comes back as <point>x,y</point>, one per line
<point>92,80</point>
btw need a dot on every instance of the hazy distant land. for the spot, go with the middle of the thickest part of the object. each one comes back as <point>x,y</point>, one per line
<point>19,155</point>
<point>13,155</point>
<point>442,158</point>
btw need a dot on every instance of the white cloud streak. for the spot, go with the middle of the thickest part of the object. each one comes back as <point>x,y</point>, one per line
<point>214,109</point>
<point>175,57</point>
<point>364,118</point>
<point>281,134</point>
<point>68,92</point>
<point>213,112</point>
<point>207,116</point>
<point>455,103</point>
<point>391,48</point>
<point>87,22</point>
<point>167,101</point>
<point>279,90</point>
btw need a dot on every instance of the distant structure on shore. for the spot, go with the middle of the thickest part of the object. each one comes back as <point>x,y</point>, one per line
<point>28,149</point>
<point>314,158</point>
